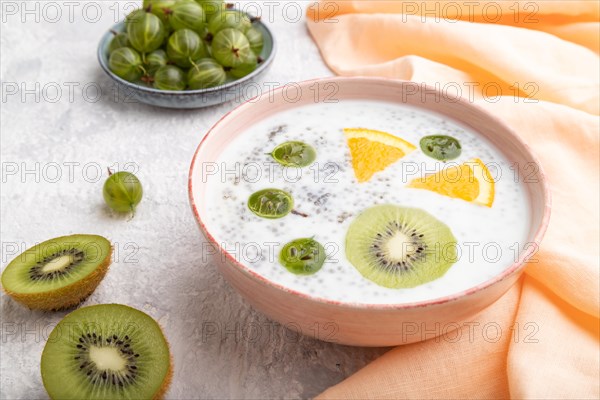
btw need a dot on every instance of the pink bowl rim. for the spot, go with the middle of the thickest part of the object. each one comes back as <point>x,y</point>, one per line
<point>513,269</point>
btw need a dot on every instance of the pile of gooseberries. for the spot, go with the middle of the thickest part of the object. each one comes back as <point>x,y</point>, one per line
<point>185,45</point>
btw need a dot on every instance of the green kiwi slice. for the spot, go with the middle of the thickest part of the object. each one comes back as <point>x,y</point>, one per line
<point>400,247</point>
<point>58,273</point>
<point>106,351</point>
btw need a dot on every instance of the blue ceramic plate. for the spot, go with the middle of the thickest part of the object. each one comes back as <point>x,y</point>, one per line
<point>188,98</point>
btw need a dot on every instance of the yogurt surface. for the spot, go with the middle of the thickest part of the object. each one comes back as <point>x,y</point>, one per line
<point>327,197</point>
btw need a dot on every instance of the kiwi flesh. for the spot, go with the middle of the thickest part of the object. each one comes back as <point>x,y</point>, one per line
<point>106,351</point>
<point>400,247</point>
<point>59,273</point>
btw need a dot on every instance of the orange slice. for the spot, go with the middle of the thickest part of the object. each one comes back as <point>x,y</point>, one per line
<point>373,151</point>
<point>470,181</point>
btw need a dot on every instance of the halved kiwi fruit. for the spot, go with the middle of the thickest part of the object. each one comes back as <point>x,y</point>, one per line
<point>58,273</point>
<point>106,351</point>
<point>400,247</point>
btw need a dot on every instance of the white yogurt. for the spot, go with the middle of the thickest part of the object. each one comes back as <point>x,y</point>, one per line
<point>489,239</point>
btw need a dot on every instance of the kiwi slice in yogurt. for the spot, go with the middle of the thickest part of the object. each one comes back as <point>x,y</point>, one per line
<point>400,247</point>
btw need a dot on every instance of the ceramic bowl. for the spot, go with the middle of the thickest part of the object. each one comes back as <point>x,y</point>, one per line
<point>189,98</point>
<point>356,324</point>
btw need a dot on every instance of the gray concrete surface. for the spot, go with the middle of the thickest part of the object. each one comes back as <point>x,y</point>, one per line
<point>58,135</point>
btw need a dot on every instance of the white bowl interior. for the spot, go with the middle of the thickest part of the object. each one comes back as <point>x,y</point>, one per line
<point>413,94</point>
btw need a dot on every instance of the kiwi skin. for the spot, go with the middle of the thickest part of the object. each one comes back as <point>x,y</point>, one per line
<point>160,395</point>
<point>65,297</point>
<point>166,383</point>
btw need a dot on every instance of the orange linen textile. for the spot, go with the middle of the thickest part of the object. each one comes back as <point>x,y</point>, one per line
<point>536,65</point>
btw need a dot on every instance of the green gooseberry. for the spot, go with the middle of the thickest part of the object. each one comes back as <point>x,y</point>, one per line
<point>118,41</point>
<point>135,15</point>
<point>242,70</point>
<point>303,256</point>
<point>255,38</point>
<point>184,46</point>
<point>122,191</point>
<point>271,203</point>
<point>155,60</point>
<point>169,77</point>
<point>294,154</point>
<point>231,48</point>
<point>247,66</point>
<point>211,7</point>
<point>188,15</point>
<point>441,147</point>
<point>146,32</point>
<point>206,73</point>
<point>160,8</point>
<point>229,19</point>
<point>126,63</point>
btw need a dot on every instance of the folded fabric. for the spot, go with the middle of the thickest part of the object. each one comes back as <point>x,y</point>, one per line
<point>536,66</point>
